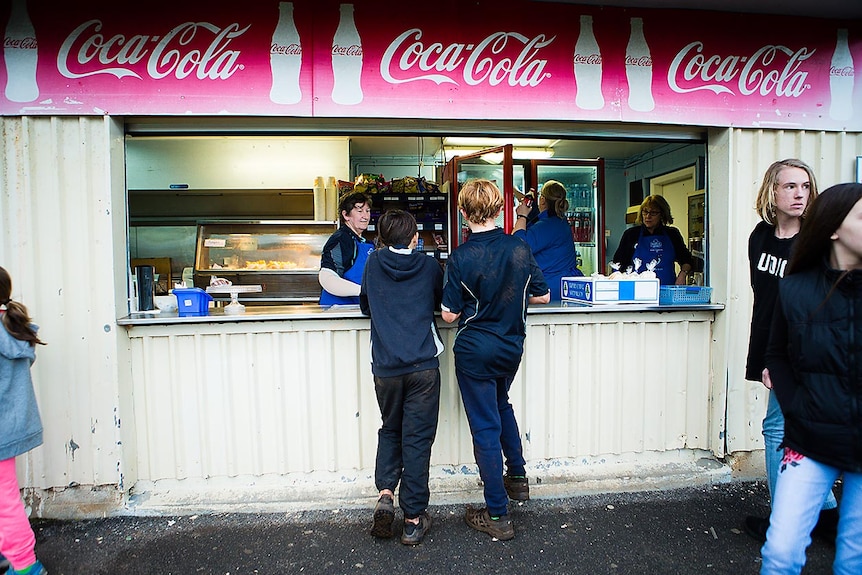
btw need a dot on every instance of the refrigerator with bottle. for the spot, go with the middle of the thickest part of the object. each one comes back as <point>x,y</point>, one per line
<point>583,180</point>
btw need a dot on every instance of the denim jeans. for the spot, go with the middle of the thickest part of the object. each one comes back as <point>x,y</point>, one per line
<point>409,406</point>
<point>802,485</point>
<point>773,435</point>
<point>495,430</point>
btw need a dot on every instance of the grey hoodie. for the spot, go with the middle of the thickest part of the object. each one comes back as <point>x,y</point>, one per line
<point>20,425</point>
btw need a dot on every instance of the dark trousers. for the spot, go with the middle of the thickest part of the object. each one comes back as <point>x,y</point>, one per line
<point>409,405</point>
<point>494,429</point>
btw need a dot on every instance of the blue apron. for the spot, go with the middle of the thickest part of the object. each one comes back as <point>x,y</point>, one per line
<point>354,274</point>
<point>657,247</point>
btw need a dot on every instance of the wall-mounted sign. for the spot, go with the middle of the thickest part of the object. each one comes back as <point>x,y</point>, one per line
<point>531,60</point>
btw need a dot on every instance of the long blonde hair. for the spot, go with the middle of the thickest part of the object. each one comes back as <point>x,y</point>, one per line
<point>764,205</point>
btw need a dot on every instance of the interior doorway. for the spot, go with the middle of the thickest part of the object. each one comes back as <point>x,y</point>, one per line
<point>676,187</point>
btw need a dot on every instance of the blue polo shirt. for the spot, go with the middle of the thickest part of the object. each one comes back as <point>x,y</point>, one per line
<point>550,239</point>
<point>489,281</point>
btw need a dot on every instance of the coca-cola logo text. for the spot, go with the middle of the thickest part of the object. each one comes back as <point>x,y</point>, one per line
<point>642,61</point>
<point>589,59</point>
<point>474,63</point>
<point>28,43</point>
<point>287,50</point>
<point>171,54</point>
<point>761,73</point>
<point>352,50</point>
<point>843,72</point>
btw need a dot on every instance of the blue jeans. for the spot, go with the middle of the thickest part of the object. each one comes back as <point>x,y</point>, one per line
<point>409,405</point>
<point>802,484</point>
<point>494,429</point>
<point>773,435</point>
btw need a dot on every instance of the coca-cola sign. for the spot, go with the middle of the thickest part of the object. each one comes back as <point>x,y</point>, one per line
<point>408,59</point>
<point>177,53</point>
<point>328,58</point>
<point>764,72</point>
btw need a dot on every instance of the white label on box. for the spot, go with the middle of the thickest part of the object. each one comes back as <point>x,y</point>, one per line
<point>438,227</point>
<point>214,243</point>
<point>420,227</point>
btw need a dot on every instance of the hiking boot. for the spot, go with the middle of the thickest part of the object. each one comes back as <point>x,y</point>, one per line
<point>826,528</point>
<point>517,487</point>
<point>35,569</point>
<point>756,527</point>
<point>479,519</point>
<point>384,515</point>
<point>414,532</point>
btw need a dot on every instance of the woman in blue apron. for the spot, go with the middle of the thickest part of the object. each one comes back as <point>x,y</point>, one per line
<point>342,261</point>
<point>655,245</point>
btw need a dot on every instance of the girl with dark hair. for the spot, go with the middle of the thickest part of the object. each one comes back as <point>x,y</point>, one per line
<point>22,428</point>
<point>814,363</point>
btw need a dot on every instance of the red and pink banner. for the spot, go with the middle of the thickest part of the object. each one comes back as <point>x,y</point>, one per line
<point>476,60</point>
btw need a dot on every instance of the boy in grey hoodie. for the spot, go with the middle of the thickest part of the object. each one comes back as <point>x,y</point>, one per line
<point>400,290</point>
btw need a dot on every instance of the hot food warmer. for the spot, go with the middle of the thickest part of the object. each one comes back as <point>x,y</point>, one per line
<point>283,257</point>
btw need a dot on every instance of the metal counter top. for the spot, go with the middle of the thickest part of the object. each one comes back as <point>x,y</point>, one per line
<point>310,311</point>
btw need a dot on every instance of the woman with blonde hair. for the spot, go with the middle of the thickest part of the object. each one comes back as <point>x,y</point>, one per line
<point>550,237</point>
<point>655,244</point>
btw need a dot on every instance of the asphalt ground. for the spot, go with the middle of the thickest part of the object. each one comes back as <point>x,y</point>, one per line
<point>696,530</point>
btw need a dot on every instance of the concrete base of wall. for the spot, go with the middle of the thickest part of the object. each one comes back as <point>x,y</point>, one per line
<point>332,490</point>
<point>747,465</point>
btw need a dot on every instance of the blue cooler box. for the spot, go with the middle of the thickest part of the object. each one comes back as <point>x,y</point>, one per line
<point>192,301</point>
<point>608,291</point>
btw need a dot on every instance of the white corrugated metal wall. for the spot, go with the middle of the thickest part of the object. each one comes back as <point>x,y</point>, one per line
<point>63,231</point>
<point>62,211</point>
<point>737,160</point>
<point>298,396</point>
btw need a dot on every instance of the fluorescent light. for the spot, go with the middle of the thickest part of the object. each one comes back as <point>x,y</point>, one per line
<point>497,157</point>
<point>484,142</point>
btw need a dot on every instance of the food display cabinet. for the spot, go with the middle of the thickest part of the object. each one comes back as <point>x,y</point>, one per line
<point>283,257</point>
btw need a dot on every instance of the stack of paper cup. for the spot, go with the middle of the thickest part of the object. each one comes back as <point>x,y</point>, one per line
<point>331,199</point>
<point>319,199</point>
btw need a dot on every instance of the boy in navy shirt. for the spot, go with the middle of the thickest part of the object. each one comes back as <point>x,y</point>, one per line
<point>400,290</point>
<point>490,280</point>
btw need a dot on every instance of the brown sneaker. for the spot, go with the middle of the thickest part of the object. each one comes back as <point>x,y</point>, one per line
<point>413,533</point>
<point>517,487</point>
<point>479,519</point>
<point>384,514</point>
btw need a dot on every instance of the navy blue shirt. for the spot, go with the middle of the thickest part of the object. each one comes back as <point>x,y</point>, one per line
<point>489,281</point>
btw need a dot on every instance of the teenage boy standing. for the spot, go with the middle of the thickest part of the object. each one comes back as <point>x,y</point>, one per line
<point>490,280</point>
<point>401,289</point>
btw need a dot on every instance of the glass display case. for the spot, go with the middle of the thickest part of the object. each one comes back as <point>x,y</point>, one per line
<point>283,257</point>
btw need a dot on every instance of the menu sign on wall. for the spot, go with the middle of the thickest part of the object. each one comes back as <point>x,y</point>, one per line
<point>533,60</point>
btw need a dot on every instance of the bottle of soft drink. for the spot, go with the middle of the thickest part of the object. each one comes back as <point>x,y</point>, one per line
<point>841,77</point>
<point>20,54</point>
<point>639,69</point>
<point>285,58</point>
<point>347,60</point>
<point>588,68</point>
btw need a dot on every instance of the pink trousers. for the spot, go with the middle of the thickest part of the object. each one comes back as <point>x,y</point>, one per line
<point>17,541</point>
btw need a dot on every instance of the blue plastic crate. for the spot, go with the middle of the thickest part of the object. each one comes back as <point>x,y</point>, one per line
<point>681,295</point>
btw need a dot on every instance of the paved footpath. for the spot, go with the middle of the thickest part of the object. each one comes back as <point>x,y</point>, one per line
<point>685,531</point>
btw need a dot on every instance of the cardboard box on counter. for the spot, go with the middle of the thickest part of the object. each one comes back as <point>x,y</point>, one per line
<point>610,291</point>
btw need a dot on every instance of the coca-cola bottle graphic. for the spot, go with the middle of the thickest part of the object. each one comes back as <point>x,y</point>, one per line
<point>285,58</point>
<point>347,60</point>
<point>588,68</point>
<point>19,52</point>
<point>841,77</point>
<point>639,69</point>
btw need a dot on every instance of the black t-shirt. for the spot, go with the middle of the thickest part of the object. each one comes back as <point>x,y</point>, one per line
<point>767,260</point>
<point>489,280</point>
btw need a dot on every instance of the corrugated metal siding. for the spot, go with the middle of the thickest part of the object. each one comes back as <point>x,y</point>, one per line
<point>282,397</point>
<point>57,241</point>
<point>738,160</point>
